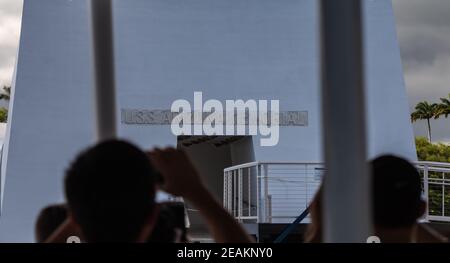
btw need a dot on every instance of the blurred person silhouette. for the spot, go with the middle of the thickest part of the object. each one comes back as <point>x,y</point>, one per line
<point>110,190</point>
<point>48,220</point>
<point>397,204</point>
<point>180,178</point>
<point>170,226</point>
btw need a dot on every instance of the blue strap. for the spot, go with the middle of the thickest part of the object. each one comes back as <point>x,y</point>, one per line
<point>288,230</point>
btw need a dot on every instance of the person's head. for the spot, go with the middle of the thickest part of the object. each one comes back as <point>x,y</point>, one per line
<point>397,193</point>
<point>110,190</point>
<point>396,197</point>
<point>48,220</point>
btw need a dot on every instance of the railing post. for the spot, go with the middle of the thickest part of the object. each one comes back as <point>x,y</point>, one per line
<point>443,194</point>
<point>225,190</point>
<point>240,199</point>
<point>234,193</point>
<point>426,191</point>
<point>230,191</point>
<point>269,208</point>
<point>249,199</point>
<point>266,193</point>
<point>259,202</point>
<point>306,185</point>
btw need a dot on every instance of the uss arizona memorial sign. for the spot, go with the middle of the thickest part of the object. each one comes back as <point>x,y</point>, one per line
<point>165,117</point>
<point>237,117</point>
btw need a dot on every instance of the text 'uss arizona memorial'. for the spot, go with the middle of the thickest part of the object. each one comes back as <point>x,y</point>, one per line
<point>212,118</point>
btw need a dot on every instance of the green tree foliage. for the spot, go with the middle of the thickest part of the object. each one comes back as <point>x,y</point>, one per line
<point>432,152</point>
<point>3,115</point>
<point>5,95</point>
<point>443,108</point>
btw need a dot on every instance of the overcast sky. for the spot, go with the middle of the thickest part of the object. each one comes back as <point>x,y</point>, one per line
<point>424,34</point>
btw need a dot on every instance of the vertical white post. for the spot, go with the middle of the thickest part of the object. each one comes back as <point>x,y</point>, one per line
<point>347,205</point>
<point>230,191</point>
<point>225,190</point>
<point>240,196</point>
<point>249,189</point>
<point>103,52</point>
<point>306,186</point>
<point>426,190</point>
<point>266,193</point>
<point>235,194</point>
<point>443,194</point>
<point>259,213</point>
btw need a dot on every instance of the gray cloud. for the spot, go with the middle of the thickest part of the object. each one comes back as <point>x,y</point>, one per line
<point>424,30</point>
<point>424,35</point>
<point>423,48</point>
<point>10,15</point>
<point>420,12</point>
<point>11,7</point>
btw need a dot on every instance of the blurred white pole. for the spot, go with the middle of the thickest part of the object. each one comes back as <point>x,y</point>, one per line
<point>103,52</point>
<point>347,207</point>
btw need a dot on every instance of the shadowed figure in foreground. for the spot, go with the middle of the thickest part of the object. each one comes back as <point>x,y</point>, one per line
<point>110,191</point>
<point>397,205</point>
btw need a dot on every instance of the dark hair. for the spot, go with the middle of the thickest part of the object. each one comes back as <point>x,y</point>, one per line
<point>49,219</point>
<point>110,191</point>
<point>397,190</point>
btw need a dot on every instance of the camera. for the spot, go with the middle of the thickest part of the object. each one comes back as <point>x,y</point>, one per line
<point>170,226</point>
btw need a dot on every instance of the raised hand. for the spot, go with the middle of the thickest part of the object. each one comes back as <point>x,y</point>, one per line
<point>179,174</point>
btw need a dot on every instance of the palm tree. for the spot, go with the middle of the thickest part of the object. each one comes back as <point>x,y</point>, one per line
<point>6,95</point>
<point>443,108</point>
<point>425,111</point>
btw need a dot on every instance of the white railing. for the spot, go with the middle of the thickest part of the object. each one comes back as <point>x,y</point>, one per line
<point>278,192</point>
<point>436,190</point>
<point>270,192</point>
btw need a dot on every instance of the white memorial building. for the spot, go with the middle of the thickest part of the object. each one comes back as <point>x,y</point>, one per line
<point>166,50</point>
